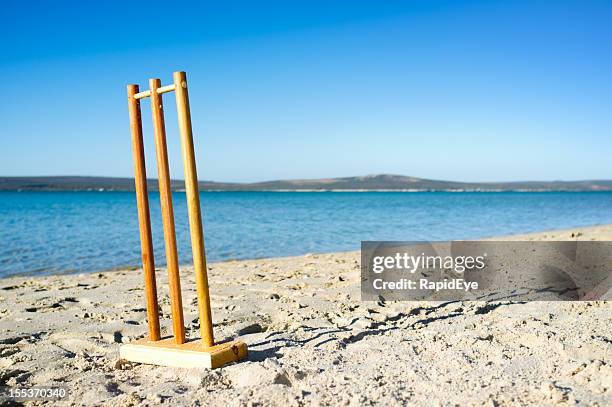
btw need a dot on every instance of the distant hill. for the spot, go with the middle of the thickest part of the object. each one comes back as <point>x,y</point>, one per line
<point>380,182</point>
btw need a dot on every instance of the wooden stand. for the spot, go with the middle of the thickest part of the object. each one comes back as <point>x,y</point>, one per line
<point>190,354</point>
<point>172,352</point>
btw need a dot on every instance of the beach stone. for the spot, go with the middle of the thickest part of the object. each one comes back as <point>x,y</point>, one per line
<point>250,329</point>
<point>256,374</point>
<point>251,375</point>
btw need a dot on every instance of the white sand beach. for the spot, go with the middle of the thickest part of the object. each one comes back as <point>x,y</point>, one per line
<point>311,340</point>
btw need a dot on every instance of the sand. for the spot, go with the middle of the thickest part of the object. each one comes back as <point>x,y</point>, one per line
<point>311,340</point>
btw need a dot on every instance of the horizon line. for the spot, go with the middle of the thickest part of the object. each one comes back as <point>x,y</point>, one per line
<point>313,179</point>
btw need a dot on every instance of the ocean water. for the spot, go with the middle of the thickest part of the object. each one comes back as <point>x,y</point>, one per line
<point>63,232</point>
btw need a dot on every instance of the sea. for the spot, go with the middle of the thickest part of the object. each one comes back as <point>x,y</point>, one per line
<point>80,232</point>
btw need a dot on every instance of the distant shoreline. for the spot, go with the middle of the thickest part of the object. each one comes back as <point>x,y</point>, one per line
<point>329,190</point>
<point>368,183</point>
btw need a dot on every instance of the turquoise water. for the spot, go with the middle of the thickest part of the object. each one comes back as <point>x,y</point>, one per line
<point>59,232</point>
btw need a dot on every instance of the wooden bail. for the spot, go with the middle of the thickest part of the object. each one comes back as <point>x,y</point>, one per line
<point>144,220</point>
<point>165,197</point>
<point>193,206</point>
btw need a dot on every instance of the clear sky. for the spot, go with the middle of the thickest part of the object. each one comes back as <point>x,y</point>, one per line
<point>454,90</point>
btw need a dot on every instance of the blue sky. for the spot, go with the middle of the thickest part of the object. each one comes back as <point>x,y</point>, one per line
<point>457,90</point>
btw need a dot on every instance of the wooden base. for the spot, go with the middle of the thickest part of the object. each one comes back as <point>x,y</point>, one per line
<point>191,354</point>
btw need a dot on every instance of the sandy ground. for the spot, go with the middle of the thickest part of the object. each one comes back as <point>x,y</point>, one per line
<point>311,340</point>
